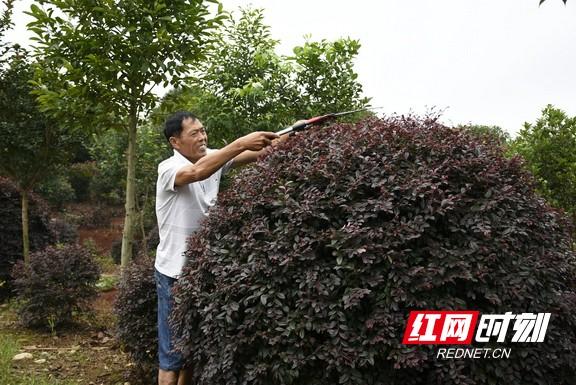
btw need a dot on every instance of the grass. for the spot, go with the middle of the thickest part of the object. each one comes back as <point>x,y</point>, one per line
<point>106,264</point>
<point>107,282</point>
<point>9,347</point>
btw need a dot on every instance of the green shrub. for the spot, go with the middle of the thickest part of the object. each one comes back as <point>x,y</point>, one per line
<point>40,230</point>
<point>57,191</point>
<point>307,270</point>
<point>59,282</point>
<point>136,311</point>
<point>81,176</point>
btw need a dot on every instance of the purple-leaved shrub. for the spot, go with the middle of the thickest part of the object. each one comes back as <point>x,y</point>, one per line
<point>59,283</point>
<point>307,270</point>
<point>136,310</point>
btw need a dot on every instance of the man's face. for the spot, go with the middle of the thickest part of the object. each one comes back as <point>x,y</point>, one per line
<point>192,141</point>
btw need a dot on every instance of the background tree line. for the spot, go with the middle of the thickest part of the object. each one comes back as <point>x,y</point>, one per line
<point>95,132</point>
<point>89,84</point>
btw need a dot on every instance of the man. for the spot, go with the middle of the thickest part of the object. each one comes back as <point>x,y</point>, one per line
<point>186,189</point>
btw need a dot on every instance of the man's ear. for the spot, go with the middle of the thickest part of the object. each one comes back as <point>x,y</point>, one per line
<point>174,142</point>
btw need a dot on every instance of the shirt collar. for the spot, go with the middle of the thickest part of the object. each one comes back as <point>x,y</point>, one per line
<point>178,155</point>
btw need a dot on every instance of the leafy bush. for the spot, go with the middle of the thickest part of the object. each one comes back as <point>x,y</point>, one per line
<point>57,191</point>
<point>41,232</point>
<point>136,310</point>
<point>491,133</point>
<point>64,231</point>
<point>81,176</point>
<point>98,215</point>
<point>307,270</point>
<point>59,282</point>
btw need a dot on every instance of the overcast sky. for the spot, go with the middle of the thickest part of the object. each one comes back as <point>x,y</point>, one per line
<point>489,62</point>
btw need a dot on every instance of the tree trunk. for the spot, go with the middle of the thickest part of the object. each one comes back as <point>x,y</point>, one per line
<point>130,206</point>
<point>25,229</point>
<point>142,229</point>
<point>574,231</point>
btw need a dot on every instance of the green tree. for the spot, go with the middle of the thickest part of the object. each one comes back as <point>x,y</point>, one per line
<point>105,57</point>
<point>549,147</point>
<point>5,18</point>
<point>32,146</point>
<point>108,152</point>
<point>325,77</point>
<point>494,132</point>
<point>247,80</point>
<point>245,86</point>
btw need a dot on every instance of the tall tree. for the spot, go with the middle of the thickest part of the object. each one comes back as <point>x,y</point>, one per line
<point>246,77</point>
<point>6,16</point>
<point>244,85</point>
<point>32,146</point>
<point>549,147</point>
<point>325,76</point>
<point>104,59</point>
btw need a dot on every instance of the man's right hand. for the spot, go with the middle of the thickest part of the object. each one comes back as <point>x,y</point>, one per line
<point>256,141</point>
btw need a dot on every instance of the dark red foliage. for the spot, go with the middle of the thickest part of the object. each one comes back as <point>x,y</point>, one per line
<point>307,270</point>
<point>60,282</point>
<point>136,310</point>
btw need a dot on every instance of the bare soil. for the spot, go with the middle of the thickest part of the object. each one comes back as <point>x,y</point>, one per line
<point>85,352</point>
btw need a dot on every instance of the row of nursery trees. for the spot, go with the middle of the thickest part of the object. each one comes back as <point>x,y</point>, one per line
<point>87,91</point>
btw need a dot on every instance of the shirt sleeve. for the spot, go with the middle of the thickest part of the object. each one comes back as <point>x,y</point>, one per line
<point>167,176</point>
<point>227,166</point>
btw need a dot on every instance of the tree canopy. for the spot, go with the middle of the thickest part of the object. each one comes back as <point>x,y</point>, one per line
<point>549,149</point>
<point>104,58</point>
<point>32,145</point>
<point>244,85</point>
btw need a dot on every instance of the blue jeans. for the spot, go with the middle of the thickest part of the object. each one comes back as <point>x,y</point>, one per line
<point>169,360</point>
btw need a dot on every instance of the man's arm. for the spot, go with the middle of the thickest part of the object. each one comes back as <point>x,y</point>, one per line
<point>212,162</point>
<point>251,156</point>
<point>246,157</point>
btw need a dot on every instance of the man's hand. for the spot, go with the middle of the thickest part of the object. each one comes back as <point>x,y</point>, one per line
<point>256,141</point>
<point>254,144</point>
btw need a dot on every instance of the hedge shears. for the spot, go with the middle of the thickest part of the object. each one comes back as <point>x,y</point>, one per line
<point>305,124</point>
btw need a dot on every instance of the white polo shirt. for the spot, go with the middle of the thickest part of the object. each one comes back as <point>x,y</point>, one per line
<point>180,210</point>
